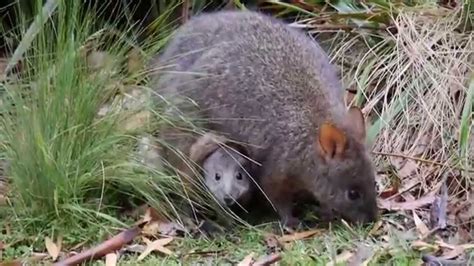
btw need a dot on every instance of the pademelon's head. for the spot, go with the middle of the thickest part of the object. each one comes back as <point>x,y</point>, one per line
<point>345,182</point>
<point>226,176</point>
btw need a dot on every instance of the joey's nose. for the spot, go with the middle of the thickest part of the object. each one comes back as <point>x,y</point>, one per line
<point>228,201</point>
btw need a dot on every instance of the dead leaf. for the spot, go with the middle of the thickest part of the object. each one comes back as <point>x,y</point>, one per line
<point>420,225</point>
<point>154,223</point>
<point>272,243</point>
<point>298,236</point>
<point>155,228</point>
<point>343,257</point>
<point>52,248</point>
<point>97,60</point>
<point>446,245</point>
<point>453,253</point>
<point>362,255</point>
<point>267,260</point>
<point>157,245</point>
<point>36,257</point>
<point>392,205</point>
<point>433,260</point>
<point>136,248</point>
<point>248,260</point>
<point>111,259</point>
<point>405,168</point>
<point>388,192</point>
<point>11,263</point>
<point>152,215</point>
<point>135,121</point>
<point>376,228</point>
<point>422,245</point>
<point>134,62</point>
<point>438,212</point>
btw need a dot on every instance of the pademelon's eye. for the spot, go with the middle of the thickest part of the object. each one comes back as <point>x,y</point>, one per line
<point>353,194</point>
<point>239,176</point>
<point>218,177</point>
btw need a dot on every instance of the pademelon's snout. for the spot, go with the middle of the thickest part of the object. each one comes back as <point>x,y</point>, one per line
<point>229,201</point>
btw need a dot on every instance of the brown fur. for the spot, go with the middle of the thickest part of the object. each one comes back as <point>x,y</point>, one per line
<point>265,84</point>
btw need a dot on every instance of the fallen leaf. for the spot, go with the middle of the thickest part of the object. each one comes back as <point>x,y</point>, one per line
<point>392,205</point>
<point>53,249</point>
<point>298,236</point>
<point>420,225</point>
<point>272,243</point>
<point>11,263</point>
<point>154,223</point>
<point>453,253</point>
<point>134,63</point>
<point>155,228</point>
<point>405,168</point>
<point>136,248</point>
<point>111,259</point>
<point>421,245</point>
<point>135,121</point>
<point>362,255</point>
<point>267,260</point>
<point>376,228</point>
<point>97,60</point>
<point>36,257</point>
<point>388,192</point>
<point>438,212</point>
<point>157,245</point>
<point>433,260</point>
<point>446,245</point>
<point>248,260</point>
<point>151,215</point>
<point>343,257</point>
<point>394,187</point>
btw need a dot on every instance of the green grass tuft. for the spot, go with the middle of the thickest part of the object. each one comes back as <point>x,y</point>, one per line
<point>67,165</point>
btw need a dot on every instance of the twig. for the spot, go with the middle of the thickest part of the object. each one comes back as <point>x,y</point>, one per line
<point>103,249</point>
<point>344,27</point>
<point>409,157</point>
<point>432,260</point>
<point>422,160</point>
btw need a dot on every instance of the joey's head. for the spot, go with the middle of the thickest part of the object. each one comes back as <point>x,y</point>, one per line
<point>346,181</point>
<point>226,176</point>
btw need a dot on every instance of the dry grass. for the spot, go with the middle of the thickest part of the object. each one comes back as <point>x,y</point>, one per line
<point>415,85</point>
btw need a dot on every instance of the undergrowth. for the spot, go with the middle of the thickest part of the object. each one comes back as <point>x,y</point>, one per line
<point>68,165</point>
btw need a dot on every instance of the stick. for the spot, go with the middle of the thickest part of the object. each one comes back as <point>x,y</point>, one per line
<point>103,249</point>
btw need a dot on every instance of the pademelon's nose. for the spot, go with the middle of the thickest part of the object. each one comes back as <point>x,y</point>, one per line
<point>228,201</point>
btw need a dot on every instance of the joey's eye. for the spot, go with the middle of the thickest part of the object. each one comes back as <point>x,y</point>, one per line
<point>353,194</point>
<point>218,177</point>
<point>239,176</point>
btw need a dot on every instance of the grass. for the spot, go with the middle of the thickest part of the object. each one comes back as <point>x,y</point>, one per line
<point>71,169</point>
<point>69,166</point>
<point>237,243</point>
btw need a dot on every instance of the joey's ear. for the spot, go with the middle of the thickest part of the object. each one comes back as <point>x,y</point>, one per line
<point>331,140</point>
<point>356,122</point>
<point>204,146</point>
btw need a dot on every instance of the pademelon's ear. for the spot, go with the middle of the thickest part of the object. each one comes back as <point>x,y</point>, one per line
<point>204,146</point>
<point>332,141</point>
<point>357,123</point>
